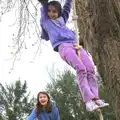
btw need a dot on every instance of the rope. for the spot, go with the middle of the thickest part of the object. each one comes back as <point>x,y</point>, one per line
<point>77,46</point>
<point>100,114</point>
<point>75,21</point>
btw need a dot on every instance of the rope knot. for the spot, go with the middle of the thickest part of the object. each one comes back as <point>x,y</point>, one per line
<point>77,46</point>
<point>75,17</point>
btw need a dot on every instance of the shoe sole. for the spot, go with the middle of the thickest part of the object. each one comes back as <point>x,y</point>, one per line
<point>98,108</point>
<point>102,106</point>
<point>93,109</point>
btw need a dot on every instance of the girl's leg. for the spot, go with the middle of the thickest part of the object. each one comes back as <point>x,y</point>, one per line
<point>92,80</point>
<point>68,53</point>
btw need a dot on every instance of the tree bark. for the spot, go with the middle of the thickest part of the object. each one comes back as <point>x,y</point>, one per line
<point>99,26</point>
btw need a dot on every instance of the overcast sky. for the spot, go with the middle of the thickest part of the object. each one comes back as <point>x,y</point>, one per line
<point>34,72</point>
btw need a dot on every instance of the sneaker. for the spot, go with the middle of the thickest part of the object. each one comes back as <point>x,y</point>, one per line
<point>91,106</point>
<point>101,103</point>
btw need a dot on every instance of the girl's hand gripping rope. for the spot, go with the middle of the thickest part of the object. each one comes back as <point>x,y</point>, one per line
<point>77,47</point>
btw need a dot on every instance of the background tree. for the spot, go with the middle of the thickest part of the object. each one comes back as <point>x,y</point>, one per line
<point>17,101</point>
<point>27,21</point>
<point>99,25</point>
<point>2,112</point>
<point>65,93</point>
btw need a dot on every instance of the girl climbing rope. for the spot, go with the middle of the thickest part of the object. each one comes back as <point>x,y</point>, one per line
<point>63,40</point>
<point>45,109</point>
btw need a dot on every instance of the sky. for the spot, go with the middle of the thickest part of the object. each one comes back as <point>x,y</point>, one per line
<point>33,71</point>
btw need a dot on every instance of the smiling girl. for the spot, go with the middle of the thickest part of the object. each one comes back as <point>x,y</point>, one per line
<point>45,109</point>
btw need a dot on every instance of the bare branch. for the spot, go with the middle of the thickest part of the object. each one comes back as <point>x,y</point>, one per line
<point>26,13</point>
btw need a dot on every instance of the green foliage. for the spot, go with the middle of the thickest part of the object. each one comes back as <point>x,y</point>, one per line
<point>64,91</point>
<point>108,112</point>
<point>0,117</point>
<point>16,100</point>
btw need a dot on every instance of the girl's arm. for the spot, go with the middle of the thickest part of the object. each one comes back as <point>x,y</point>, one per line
<point>56,113</point>
<point>43,11</point>
<point>43,8</point>
<point>32,115</point>
<point>44,34</point>
<point>66,10</point>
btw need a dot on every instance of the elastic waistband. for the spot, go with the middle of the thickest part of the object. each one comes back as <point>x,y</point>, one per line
<point>63,45</point>
<point>66,45</point>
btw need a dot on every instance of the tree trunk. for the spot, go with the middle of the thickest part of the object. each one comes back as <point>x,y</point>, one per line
<point>99,25</point>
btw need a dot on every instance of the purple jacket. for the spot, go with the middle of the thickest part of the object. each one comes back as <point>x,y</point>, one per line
<point>56,30</point>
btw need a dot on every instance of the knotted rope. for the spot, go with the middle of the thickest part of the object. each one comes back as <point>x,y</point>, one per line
<point>77,46</point>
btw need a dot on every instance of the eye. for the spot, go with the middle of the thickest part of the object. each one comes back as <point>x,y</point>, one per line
<point>40,97</point>
<point>54,11</point>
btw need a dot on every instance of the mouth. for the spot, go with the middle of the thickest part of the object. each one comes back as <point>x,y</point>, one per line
<point>52,18</point>
<point>43,102</point>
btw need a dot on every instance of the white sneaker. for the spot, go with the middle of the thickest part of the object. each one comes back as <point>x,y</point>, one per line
<point>91,106</point>
<point>101,103</point>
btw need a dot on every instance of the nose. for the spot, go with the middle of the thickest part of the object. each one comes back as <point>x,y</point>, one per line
<point>51,14</point>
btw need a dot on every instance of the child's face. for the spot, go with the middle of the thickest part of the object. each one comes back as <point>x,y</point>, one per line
<point>52,12</point>
<point>43,99</point>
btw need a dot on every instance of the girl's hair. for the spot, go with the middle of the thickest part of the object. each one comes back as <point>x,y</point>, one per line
<point>57,5</point>
<point>39,106</point>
